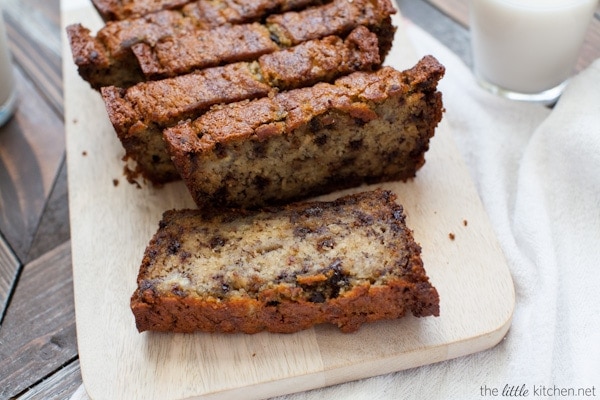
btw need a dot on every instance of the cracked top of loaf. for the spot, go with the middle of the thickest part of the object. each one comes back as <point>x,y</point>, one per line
<point>286,111</point>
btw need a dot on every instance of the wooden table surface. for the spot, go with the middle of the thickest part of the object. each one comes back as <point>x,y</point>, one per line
<point>38,346</point>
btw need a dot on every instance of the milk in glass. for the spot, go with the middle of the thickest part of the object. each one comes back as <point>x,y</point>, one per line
<point>528,48</point>
<point>7,81</point>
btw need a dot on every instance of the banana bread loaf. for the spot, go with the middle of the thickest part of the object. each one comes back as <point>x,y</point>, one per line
<point>346,262</point>
<point>174,54</point>
<point>167,43</point>
<point>367,127</point>
<point>101,67</point>
<point>140,113</point>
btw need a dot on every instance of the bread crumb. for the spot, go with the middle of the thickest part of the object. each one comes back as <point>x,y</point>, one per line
<point>465,222</point>
<point>451,236</point>
<point>84,153</point>
<point>115,182</point>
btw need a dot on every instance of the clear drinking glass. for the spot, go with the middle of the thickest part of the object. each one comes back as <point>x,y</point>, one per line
<point>7,79</point>
<point>527,49</point>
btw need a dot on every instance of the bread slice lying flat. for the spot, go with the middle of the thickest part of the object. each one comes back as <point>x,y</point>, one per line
<point>345,262</point>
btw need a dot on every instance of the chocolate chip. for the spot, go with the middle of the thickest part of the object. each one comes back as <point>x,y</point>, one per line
<point>217,241</point>
<point>173,247</point>
<point>320,140</point>
<point>325,243</point>
<point>261,182</point>
<point>317,297</point>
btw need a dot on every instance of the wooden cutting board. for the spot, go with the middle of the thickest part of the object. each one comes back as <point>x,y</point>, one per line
<point>112,221</point>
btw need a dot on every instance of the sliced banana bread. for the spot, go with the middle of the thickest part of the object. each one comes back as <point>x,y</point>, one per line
<point>141,112</point>
<point>345,262</point>
<point>367,127</point>
<point>168,43</point>
<point>182,53</point>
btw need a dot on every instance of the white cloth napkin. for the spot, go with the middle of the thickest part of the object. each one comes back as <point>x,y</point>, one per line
<point>538,174</point>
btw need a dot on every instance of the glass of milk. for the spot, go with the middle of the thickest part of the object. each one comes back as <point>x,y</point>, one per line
<point>527,49</point>
<point>7,80</point>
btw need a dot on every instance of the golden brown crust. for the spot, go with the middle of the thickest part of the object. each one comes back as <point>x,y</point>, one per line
<point>335,18</point>
<point>363,304</point>
<point>367,127</point>
<point>289,110</point>
<point>216,13</point>
<point>321,60</point>
<point>169,101</point>
<point>96,65</point>
<point>181,54</point>
<point>172,56</point>
<point>337,279</point>
<point>141,112</point>
<point>173,42</point>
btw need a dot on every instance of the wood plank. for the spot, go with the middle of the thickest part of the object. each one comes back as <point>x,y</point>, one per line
<point>59,386</point>
<point>41,18</point>
<point>9,269</point>
<point>38,331</point>
<point>117,362</point>
<point>32,147</point>
<point>35,44</point>
<point>54,228</point>
<point>459,11</point>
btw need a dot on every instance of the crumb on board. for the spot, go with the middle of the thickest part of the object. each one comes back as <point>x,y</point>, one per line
<point>132,174</point>
<point>465,222</point>
<point>451,236</point>
<point>115,182</point>
<point>84,153</point>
